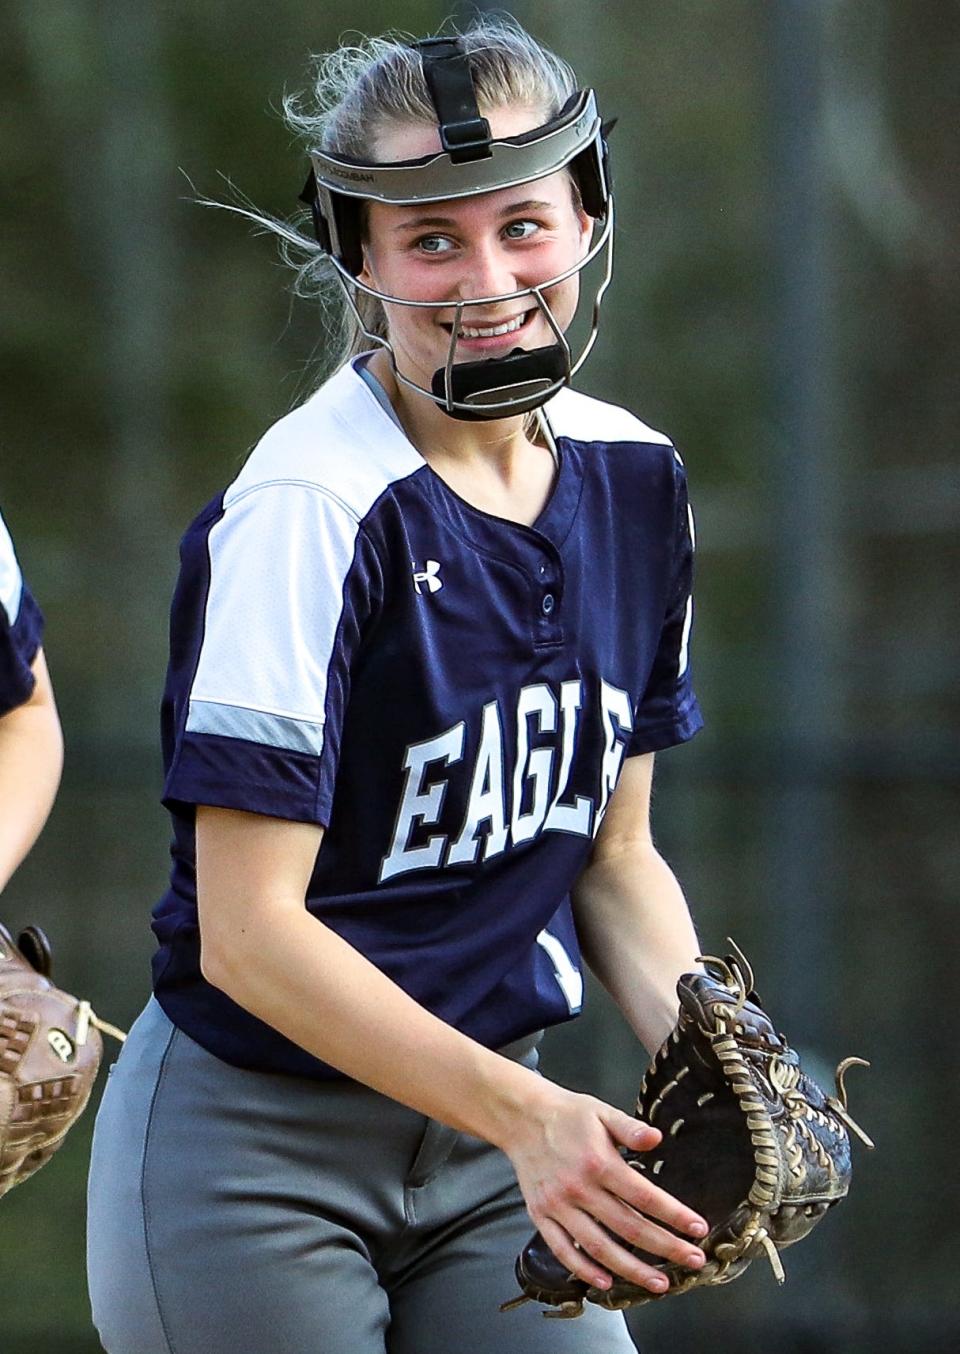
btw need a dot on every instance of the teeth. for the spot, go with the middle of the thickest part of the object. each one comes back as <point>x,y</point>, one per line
<point>494,330</point>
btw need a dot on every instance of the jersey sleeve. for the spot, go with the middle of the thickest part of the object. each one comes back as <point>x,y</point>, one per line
<point>21,629</point>
<point>668,712</point>
<point>272,602</point>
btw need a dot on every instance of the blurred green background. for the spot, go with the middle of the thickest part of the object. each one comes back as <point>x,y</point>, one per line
<point>785,306</point>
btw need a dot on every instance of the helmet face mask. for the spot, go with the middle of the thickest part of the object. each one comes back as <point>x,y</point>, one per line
<point>471,162</point>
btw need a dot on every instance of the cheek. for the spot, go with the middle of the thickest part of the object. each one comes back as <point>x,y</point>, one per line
<point>411,329</point>
<point>401,320</point>
<point>406,276</point>
<point>563,300</point>
<point>559,257</point>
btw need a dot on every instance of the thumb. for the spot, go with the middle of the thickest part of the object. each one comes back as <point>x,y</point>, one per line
<point>630,1132</point>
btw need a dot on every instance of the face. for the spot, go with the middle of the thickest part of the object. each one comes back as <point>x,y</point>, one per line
<point>466,249</point>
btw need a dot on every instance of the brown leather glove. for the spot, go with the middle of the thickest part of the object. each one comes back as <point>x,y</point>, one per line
<point>749,1140</point>
<point>50,1050</point>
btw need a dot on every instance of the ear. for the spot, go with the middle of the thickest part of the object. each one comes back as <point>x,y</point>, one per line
<point>361,240</point>
<point>365,275</point>
<point>585,224</point>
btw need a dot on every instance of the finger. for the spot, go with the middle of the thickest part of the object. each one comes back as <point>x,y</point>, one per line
<point>642,1194</point>
<point>632,1227</point>
<point>630,1132</point>
<point>597,1244</point>
<point>574,1259</point>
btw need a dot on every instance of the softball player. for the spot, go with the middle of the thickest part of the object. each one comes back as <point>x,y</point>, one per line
<point>423,651</point>
<point>31,746</point>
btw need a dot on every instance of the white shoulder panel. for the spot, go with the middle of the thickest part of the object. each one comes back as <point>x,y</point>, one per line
<point>279,558</point>
<point>585,419</point>
<point>278,561</point>
<point>341,441</point>
<point>11,583</point>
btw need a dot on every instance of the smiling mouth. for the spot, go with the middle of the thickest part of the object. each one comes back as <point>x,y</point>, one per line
<point>490,331</point>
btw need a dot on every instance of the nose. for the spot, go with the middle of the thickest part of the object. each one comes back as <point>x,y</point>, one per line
<point>488,272</point>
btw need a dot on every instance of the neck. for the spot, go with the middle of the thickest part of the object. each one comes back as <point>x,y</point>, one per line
<point>437,436</point>
<point>496,464</point>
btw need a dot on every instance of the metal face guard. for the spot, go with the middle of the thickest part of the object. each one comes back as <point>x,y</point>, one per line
<point>513,384</point>
<point>470,163</point>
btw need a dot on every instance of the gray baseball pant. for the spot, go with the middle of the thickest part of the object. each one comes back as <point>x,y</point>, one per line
<point>239,1212</point>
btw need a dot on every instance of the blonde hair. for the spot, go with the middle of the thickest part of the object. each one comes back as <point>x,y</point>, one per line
<point>360,90</point>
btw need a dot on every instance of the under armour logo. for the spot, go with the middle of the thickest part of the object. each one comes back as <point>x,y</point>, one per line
<point>430,576</point>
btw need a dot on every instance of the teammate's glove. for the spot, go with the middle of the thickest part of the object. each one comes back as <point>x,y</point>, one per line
<point>749,1141</point>
<point>50,1049</point>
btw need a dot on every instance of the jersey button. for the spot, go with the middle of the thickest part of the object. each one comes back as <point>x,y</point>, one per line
<point>548,603</point>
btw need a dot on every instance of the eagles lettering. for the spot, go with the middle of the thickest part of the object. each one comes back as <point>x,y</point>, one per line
<point>510,799</point>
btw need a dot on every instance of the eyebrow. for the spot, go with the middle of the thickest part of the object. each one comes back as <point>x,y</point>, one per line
<point>448,222</point>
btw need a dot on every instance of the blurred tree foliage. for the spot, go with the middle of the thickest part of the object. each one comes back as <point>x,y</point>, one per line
<point>146,343</point>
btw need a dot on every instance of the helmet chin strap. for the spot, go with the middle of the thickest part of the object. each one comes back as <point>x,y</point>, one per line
<point>523,380</point>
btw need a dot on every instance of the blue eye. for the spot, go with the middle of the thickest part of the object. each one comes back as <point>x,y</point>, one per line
<point>435,244</point>
<point>520,230</point>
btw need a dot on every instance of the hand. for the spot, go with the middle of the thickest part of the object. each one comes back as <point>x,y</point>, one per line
<point>578,1189</point>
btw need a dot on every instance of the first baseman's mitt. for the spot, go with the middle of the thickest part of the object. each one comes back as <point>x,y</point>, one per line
<point>749,1141</point>
<point>50,1049</point>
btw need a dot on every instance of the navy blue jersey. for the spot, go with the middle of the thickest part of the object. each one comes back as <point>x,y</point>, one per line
<point>449,694</point>
<point>21,629</point>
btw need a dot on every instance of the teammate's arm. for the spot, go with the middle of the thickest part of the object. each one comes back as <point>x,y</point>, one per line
<point>262,947</point>
<point>633,922</point>
<point>31,759</point>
